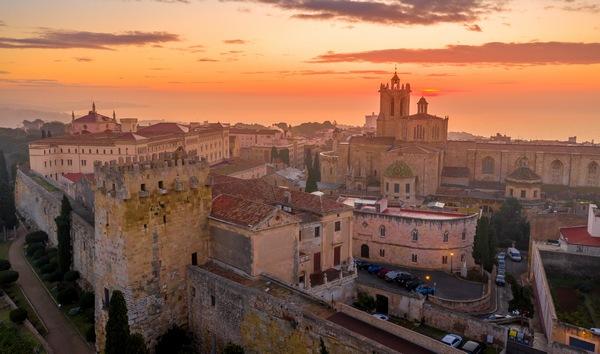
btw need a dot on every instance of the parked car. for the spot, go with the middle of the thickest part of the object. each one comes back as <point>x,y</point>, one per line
<point>381,316</point>
<point>514,254</point>
<point>412,284</point>
<point>425,290</point>
<point>472,347</point>
<point>452,340</point>
<point>500,280</point>
<point>373,268</point>
<point>391,276</point>
<point>501,256</point>
<point>495,316</point>
<point>404,277</point>
<point>553,242</point>
<point>360,264</point>
<point>596,331</point>
<point>382,272</point>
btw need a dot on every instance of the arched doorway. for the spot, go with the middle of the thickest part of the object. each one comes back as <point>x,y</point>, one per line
<point>364,251</point>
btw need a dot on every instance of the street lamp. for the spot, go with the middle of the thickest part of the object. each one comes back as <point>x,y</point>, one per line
<point>451,255</point>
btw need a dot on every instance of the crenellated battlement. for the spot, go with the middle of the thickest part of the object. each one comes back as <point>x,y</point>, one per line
<point>169,172</point>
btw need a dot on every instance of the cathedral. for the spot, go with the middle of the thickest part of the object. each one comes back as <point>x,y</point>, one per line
<point>410,157</point>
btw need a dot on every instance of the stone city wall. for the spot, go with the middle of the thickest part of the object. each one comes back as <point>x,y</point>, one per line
<point>455,322</point>
<point>39,203</point>
<point>409,305</point>
<point>222,310</point>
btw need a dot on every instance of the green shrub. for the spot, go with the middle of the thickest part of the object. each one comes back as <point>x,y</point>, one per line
<point>34,247</point>
<point>8,276</point>
<point>52,277</point>
<point>18,315</point>
<point>71,275</point>
<point>67,295</point>
<point>4,264</point>
<point>86,300</point>
<point>43,260</point>
<point>38,254</point>
<point>175,340</point>
<point>136,344</point>
<point>232,348</point>
<point>52,251</point>
<point>36,236</point>
<point>48,268</point>
<point>90,334</point>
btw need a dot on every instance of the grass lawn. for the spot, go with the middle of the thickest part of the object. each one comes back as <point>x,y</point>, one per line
<point>576,300</point>
<point>16,295</point>
<point>4,246</point>
<point>80,321</point>
<point>26,335</point>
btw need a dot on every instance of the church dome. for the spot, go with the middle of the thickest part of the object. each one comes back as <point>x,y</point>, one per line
<point>524,174</point>
<point>398,169</point>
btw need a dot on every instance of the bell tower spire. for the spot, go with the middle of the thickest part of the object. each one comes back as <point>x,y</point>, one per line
<point>93,106</point>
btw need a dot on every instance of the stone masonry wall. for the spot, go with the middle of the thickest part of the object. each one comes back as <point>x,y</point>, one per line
<point>40,206</point>
<point>222,310</point>
<point>145,238</point>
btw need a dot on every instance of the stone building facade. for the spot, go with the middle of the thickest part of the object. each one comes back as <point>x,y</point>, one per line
<point>421,141</point>
<point>413,238</point>
<point>151,222</point>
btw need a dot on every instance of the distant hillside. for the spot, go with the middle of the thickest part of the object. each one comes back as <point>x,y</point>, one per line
<point>309,129</point>
<point>13,117</point>
<point>463,136</point>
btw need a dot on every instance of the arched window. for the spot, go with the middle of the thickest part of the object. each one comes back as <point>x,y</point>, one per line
<point>464,234</point>
<point>487,165</point>
<point>445,236</point>
<point>556,172</point>
<point>415,235</point>
<point>593,174</point>
<point>381,231</point>
<point>364,251</point>
<point>392,107</point>
<point>522,162</point>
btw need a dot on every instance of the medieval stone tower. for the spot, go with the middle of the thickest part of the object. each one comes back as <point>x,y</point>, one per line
<point>150,224</point>
<point>394,103</point>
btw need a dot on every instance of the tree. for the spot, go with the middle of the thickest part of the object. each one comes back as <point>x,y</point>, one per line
<point>63,234</point>
<point>274,155</point>
<point>322,347</point>
<point>117,327</point>
<point>510,225</point>
<point>43,134</point>
<point>317,167</point>
<point>3,168</point>
<point>174,341</point>
<point>311,183</point>
<point>7,200</point>
<point>308,159</point>
<point>482,248</point>
<point>137,344</point>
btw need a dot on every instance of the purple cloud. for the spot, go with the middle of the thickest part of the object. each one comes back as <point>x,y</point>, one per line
<point>63,39</point>
<point>488,53</point>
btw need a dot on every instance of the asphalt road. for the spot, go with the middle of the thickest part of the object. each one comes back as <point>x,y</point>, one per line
<point>446,285</point>
<point>389,340</point>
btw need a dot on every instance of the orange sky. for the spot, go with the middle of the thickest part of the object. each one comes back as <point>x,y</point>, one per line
<point>308,60</point>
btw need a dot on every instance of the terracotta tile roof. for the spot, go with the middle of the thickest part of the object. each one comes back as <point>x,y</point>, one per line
<point>76,177</point>
<point>579,235</point>
<point>260,191</point>
<point>94,117</point>
<point>163,128</point>
<point>235,165</point>
<point>240,211</point>
<point>450,171</point>
<point>253,131</point>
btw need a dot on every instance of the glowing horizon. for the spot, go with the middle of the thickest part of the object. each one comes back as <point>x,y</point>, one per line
<point>530,70</point>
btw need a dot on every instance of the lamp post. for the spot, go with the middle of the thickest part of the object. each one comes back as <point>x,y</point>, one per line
<point>451,255</point>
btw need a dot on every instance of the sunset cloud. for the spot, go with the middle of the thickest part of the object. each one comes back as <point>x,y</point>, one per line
<point>63,39</point>
<point>235,41</point>
<point>488,53</point>
<point>408,12</point>
<point>84,59</point>
<point>473,28</point>
<point>207,60</point>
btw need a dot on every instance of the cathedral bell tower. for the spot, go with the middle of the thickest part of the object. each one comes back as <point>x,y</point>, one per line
<point>394,103</point>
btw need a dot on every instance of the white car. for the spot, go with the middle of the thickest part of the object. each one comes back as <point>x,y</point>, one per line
<point>452,340</point>
<point>596,331</point>
<point>381,316</point>
<point>514,254</point>
<point>501,255</point>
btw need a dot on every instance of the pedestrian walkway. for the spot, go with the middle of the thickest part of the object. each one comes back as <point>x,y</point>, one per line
<point>62,337</point>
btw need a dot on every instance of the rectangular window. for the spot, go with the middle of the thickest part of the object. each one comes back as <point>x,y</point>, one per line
<point>317,231</point>
<point>381,253</point>
<point>338,225</point>
<point>407,188</point>
<point>106,298</point>
<point>387,186</point>
<point>337,255</point>
<point>414,258</point>
<point>212,301</point>
<point>396,188</point>
<point>523,194</point>
<point>535,194</point>
<point>143,187</point>
<point>160,184</point>
<point>444,259</point>
<point>83,162</point>
<point>195,258</point>
<point>512,192</point>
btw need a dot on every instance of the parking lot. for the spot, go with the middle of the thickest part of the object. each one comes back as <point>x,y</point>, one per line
<point>446,286</point>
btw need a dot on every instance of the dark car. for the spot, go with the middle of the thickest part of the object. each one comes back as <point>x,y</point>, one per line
<point>373,268</point>
<point>412,284</point>
<point>382,272</point>
<point>360,264</point>
<point>472,347</point>
<point>403,278</point>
